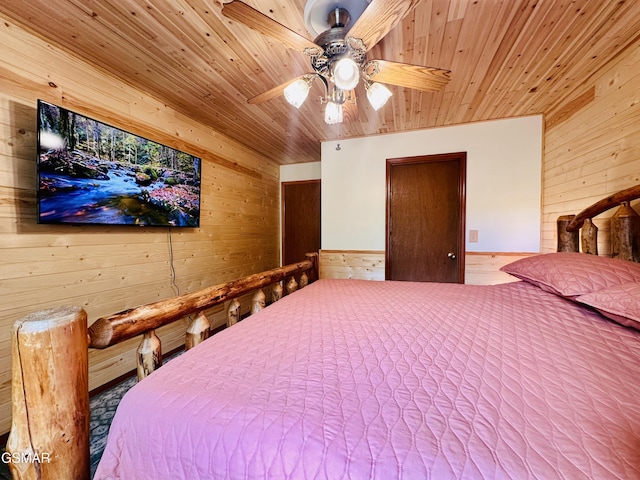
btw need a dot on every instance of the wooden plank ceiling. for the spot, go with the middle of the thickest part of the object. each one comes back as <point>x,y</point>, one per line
<point>507,58</point>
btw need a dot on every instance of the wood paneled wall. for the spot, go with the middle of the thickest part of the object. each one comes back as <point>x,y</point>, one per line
<point>480,268</point>
<point>105,269</point>
<point>592,146</point>
<point>356,264</point>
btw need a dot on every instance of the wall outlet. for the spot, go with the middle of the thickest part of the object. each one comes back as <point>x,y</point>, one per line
<point>473,236</point>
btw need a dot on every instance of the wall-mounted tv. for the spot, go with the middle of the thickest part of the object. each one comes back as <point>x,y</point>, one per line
<point>93,173</point>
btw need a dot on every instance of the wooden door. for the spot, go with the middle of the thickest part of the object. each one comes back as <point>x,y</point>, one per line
<point>300,220</point>
<point>425,218</point>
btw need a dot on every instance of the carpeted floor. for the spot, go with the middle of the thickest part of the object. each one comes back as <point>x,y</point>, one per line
<point>4,468</point>
<point>103,407</point>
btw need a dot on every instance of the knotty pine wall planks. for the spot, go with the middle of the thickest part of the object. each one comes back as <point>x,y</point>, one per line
<point>592,146</point>
<point>356,264</point>
<point>108,269</point>
<point>481,268</point>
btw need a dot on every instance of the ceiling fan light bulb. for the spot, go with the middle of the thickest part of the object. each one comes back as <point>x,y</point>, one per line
<point>378,95</point>
<point>346,74</point>
<point>333,113</point>
<point>297,92</point>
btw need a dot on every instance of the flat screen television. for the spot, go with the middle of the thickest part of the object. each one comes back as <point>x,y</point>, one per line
<point>93,173</point>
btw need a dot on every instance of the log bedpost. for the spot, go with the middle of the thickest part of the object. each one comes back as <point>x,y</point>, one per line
<point>589,237</point>
<point>304,280</point>
<point>50,396</point>
<point>149,354</point>
<point>258,301</point>
<point>314,271</point>
<point>198,331</point>
<point>233,313</point>
<point>276,292</point>
<point>292,285</point>
<point>625,233</point>
<point>567,241</point>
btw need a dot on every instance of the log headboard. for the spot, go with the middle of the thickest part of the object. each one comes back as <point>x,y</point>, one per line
<point>575,231</point>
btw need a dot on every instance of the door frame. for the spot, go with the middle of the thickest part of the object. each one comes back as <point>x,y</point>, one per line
<point>462,195</point>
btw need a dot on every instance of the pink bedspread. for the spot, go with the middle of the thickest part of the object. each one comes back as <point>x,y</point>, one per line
<point>355,379</point>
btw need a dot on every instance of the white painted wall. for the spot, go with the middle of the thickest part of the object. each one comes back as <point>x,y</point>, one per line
<point>300,171</point>
<point>504,165</point>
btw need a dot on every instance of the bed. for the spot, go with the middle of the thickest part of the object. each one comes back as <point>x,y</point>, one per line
<point>357,379</point>
<point>385,380</point>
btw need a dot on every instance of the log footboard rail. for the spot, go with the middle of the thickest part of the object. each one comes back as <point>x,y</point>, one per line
<point>49,436</point>
<point>575,231</point>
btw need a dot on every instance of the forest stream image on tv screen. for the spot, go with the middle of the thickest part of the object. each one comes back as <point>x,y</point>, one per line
<point>93,173</point>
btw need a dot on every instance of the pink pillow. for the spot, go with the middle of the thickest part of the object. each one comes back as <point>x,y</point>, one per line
<point>571,274</point>
<point>620,303</point>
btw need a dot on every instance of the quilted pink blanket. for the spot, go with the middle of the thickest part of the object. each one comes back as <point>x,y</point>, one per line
<point>361,380</point>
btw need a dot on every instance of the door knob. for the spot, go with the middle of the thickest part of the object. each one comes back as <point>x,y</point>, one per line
<point>451,255</point>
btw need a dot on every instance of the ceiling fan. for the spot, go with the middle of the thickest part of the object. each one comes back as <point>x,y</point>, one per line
<point>339,53</point>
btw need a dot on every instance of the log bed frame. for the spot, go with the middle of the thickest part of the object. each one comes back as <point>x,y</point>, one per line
<point>576,230</point>
<point>49,435</point>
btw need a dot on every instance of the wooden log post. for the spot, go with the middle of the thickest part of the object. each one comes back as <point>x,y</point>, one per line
<point>314,271</point>
<point>292,285</point>
<point>258,301</point>
<point>304,280</point>
<point>49,436</point>
<point>567,241</point>
<point>625,233</point>
<point>149,354</point>
<point>233,313</point>
<point>589,237</point>
<point>276,292</point>
<point>198,331</point>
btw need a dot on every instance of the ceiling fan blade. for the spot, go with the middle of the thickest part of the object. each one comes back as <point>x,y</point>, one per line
<point>272,93</point>
<point>258,21</point>
<point>428,79</point>
<point>377,20</point>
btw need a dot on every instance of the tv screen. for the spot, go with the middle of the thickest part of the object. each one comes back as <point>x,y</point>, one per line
<point>93,173</point>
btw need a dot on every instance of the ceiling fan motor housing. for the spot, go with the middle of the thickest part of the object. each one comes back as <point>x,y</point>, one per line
<point>335,48</point>
<point>338,17</point>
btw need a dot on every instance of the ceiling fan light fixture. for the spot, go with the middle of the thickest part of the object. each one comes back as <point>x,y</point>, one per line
<point>378,94</point>
<point>338,55</point>
<point>297,92</point>
<point>333,113</point>
<point>346,74</point>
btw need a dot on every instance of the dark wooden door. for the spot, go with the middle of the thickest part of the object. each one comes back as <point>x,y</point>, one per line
<point>300,220</point>
<point>425,218</point>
